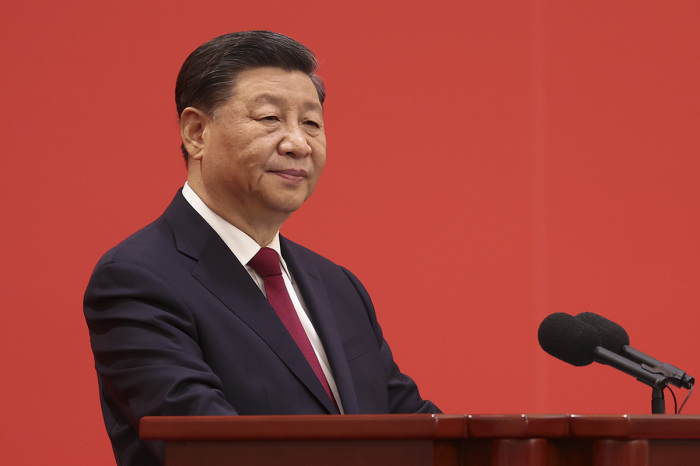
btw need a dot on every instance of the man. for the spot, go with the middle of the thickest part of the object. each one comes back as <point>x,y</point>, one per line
<point>187,317</point>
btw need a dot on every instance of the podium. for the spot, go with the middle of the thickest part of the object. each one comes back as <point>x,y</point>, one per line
<point>422,440</point>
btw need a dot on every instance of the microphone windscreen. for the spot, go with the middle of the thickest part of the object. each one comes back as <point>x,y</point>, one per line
<point>568,338</point>
<point>614,336</point>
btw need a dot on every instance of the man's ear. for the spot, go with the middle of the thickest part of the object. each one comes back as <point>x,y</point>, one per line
<point>193,122</point>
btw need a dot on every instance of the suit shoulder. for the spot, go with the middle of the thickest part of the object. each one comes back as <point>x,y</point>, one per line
<point>143,246</point>
<point>321,263</point>
<point>307,255</point>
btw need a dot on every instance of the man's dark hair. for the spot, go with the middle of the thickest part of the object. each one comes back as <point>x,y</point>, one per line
<point>208,75</point>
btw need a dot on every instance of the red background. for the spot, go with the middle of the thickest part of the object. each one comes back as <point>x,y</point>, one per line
<point>489,163</point>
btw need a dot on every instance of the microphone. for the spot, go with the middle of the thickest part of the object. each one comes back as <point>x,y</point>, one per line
<point>576,342</point>
<point>615,338</point>
<point>569,339</point>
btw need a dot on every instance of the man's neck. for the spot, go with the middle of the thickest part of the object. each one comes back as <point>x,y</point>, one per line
<point>262,236</point>
<point>262,229</point>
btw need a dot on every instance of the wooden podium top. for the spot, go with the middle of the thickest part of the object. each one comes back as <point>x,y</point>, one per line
<point>412,426</point>
<point>428,440</point>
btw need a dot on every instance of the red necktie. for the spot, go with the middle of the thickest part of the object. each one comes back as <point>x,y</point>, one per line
<point>266,263</point>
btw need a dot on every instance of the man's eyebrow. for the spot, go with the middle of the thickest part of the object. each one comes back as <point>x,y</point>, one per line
<point>267,97</point>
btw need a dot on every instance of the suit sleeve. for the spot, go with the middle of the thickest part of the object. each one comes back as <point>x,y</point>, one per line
<point>145,343</point>
<point>403,393</point>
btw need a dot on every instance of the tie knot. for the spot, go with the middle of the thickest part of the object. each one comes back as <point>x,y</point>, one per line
<point>266,263</point>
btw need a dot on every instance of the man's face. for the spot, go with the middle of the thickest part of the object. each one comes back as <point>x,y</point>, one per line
<point>265,147</point>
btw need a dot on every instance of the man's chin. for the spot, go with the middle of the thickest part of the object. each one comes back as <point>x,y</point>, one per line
<point>292,200</point>
<point>286,206</point>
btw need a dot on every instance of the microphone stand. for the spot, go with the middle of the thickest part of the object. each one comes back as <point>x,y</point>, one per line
<point>658,404</point>
<point>656,379</point>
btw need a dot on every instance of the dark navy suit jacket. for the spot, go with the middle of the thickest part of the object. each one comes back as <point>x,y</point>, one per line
<point>178,327</point>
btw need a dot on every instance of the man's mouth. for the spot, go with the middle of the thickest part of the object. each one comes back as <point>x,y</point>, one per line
<point>292,175</point>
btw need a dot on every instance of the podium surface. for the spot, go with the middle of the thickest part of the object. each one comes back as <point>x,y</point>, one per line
<point>421,440</point>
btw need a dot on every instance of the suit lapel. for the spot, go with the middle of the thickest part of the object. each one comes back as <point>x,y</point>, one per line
<point>219,271</point>
<point>312,288</point>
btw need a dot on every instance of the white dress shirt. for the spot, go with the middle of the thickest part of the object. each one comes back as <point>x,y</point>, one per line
<point>244,248</point>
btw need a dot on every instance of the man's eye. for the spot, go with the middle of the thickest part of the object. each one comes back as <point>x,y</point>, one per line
<point>270,118</point>
<point>312,123</point>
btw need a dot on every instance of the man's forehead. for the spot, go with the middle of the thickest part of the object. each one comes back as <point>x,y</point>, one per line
<point>275,86</point>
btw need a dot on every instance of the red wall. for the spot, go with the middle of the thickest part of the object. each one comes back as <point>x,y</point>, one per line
<point>489,163</point>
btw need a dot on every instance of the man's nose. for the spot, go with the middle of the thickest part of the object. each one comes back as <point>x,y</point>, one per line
<point>294,142</point>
